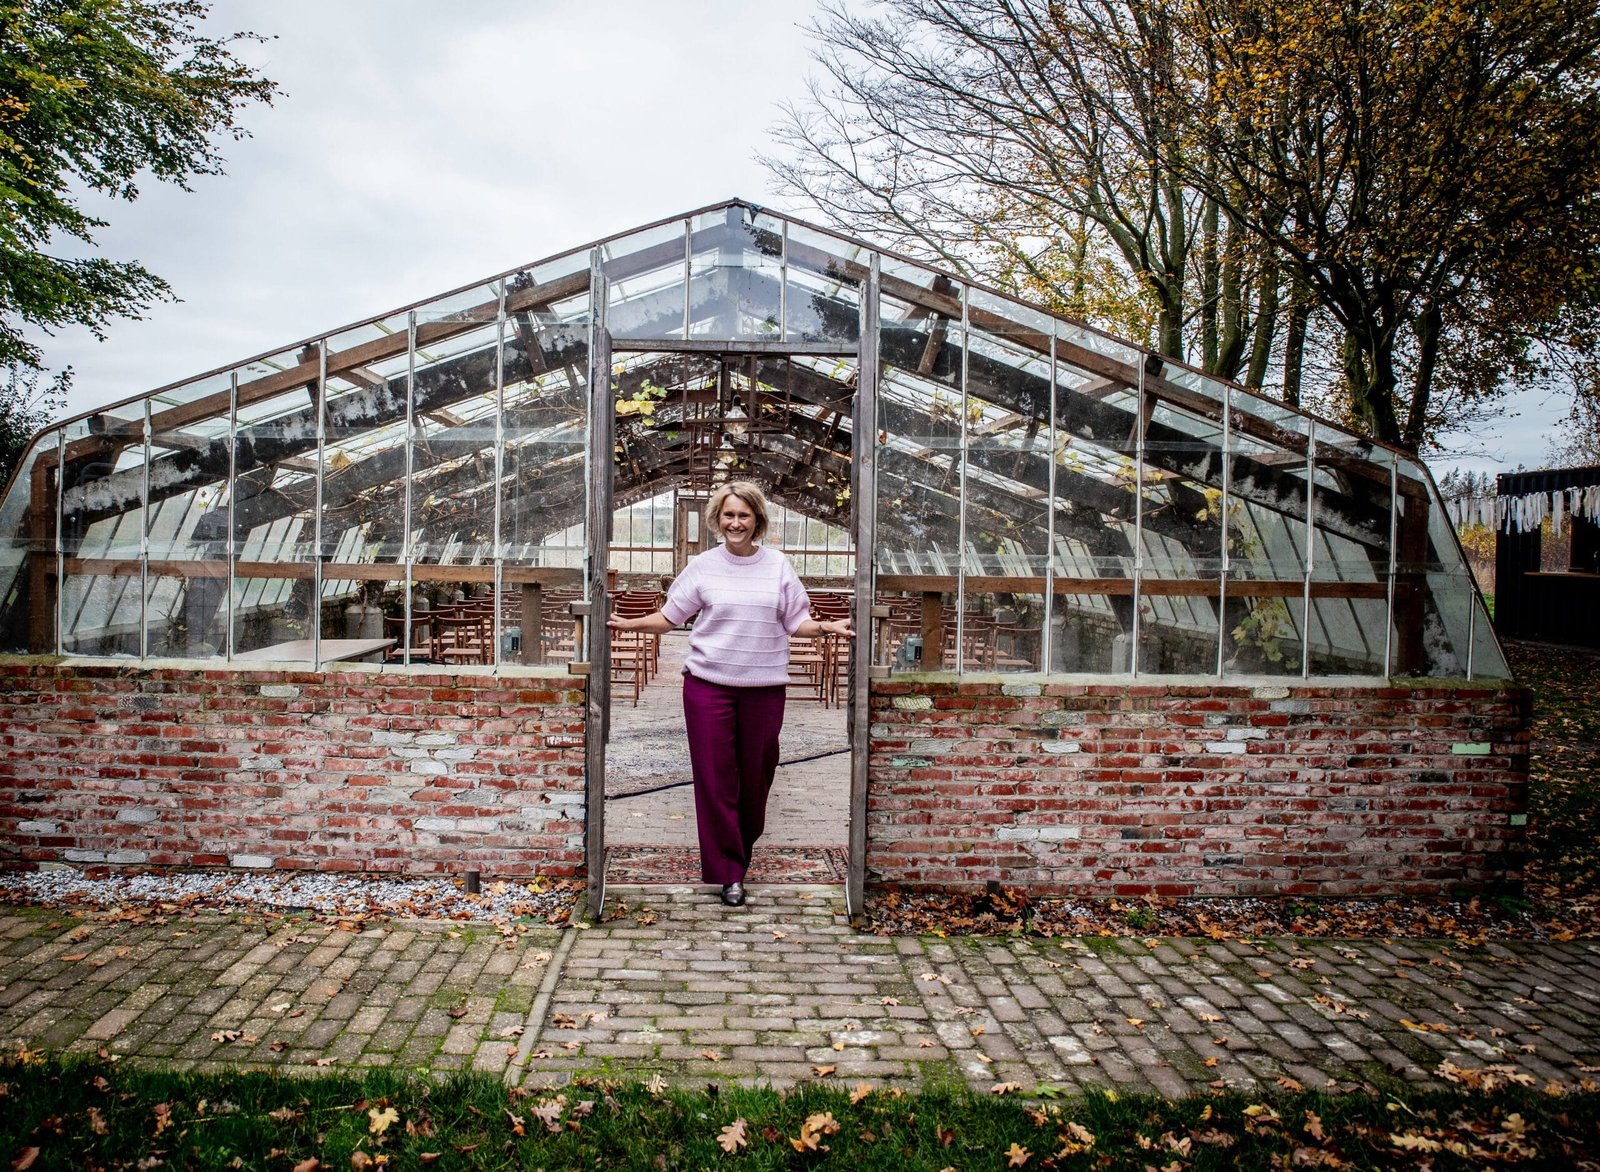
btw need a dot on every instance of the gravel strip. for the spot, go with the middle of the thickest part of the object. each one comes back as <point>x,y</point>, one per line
<point>327,895</point>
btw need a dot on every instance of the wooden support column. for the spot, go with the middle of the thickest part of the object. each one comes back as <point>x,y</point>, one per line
<point>932,631</point>
<point>533,623</point>
<point>1410,586</point>
<point>41,568</point>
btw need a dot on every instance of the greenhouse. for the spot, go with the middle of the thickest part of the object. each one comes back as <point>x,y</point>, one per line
<point>1046,508</point>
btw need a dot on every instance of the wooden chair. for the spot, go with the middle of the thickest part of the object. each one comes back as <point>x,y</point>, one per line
<point>463,638</point>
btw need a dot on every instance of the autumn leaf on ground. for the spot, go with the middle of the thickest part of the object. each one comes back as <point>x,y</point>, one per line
<point>75,957</point>
<point>860,1091</point>
<point>711,1055</point>
<point>360,1161</point>
<point>1289,1084</point>
<point>812,1131</point>
<point>824,1071</point>
<point>657,1086</point>
<point>1005,1088</point>
<point>1017,1155</point>
<point>512,1032</point>
<point>1136,1022</point>
<point>732,1137</point>
<point>549,1113</point>
<point>518,1124</point>
<point>163,1113</point>
<point>1080,1136</point>
<point>310,1164</point>
<point>380,1121</point>
<point>25,1159</point>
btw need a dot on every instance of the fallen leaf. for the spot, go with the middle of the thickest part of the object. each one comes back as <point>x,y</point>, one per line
<point>360,1161</point>
<point>1005,1088</point>
<point>25,1159</point>
<point>732,1137</point>
<point>380,1121</point>
<point>1314,1126</point>
<point>1017,1155</point>
<point>163,1114</point>
<point>511,1032</point>
<point>310,1164</point>
<point>824,1071</point>
<point>860,1091</point>
<point>657,1085</point>
<point>711,1055</point>
<point>74,958</point>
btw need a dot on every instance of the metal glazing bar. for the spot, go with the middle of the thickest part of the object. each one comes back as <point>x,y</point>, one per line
<point>1394,540</point>
<point>1311,547</point>
<point>314,607</point>
<point>233,472</point>
<point>783,286</point>
<point>1225,562</point>
<point>497,622</point>
<point>411,454</point>
<point>1472,620</point>
<point>144,543</point>
<point>869,643</point>
<point>1138,520</point>
<point>688,273</point>
<point>961,520</point>
<point>1046,637</point>
<point>61,551</point>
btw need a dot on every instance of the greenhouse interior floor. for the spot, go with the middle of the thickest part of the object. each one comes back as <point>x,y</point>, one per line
<point>649,798</point>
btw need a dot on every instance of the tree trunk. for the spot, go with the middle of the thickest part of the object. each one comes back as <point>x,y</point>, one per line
<point>1369,377</point>
<point>1266,329</point>
<point>1429,328</point>
<point>1294,345</point>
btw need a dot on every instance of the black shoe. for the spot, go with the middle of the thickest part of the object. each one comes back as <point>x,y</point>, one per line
<point>733,894</point>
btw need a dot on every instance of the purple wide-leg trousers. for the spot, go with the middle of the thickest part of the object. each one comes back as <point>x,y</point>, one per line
<point>733,752</point>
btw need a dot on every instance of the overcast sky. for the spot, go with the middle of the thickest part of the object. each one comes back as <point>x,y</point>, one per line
<point>419,146</point>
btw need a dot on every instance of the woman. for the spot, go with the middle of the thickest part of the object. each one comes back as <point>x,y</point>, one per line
<point>750,601</point>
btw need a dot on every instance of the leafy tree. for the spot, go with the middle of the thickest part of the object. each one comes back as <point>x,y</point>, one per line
<point>95,94</point>
<point>1429,168</point>
<point>25,408</point>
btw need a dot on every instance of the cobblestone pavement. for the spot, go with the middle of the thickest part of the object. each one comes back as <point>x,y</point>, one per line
<point>784,990</point>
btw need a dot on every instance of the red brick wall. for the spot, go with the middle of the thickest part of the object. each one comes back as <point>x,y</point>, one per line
<point>344,770</point>
<point>1182,790</point>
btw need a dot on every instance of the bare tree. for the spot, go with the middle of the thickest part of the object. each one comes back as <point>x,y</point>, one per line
<point>1033,144</point>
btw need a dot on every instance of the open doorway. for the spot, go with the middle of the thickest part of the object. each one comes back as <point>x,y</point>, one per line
<point>651,835</point>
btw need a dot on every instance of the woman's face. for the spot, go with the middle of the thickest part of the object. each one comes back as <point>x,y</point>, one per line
<point>738,523</point>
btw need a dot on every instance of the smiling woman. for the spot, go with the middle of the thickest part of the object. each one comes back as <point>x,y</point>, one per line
<point>747,601</point>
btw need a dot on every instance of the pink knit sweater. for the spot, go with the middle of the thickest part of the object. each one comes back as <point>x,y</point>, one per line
<point>748,608</point>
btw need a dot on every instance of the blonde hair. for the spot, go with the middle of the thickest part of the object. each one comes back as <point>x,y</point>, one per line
<point>746,492</point>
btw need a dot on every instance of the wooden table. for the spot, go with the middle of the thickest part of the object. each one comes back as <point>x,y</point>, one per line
<point>303,650</point>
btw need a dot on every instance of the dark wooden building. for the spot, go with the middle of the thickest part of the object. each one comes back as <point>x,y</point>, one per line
<point>1551,594</point>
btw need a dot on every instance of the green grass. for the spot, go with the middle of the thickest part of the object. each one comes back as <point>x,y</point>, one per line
<point>96,1115</point>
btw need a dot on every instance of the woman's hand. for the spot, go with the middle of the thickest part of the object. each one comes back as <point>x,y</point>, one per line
<point>825,627</point>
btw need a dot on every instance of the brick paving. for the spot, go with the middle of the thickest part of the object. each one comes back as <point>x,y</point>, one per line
<point>784,990</point>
